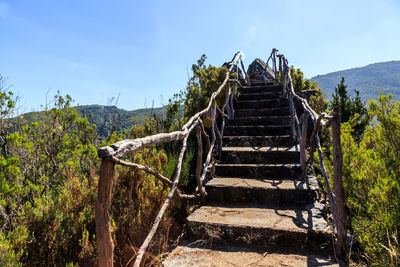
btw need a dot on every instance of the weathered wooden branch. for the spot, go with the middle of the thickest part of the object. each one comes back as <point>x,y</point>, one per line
<point>215,94</point>
<point>158,175</point>
<point>225,106</point>
<point>111,155</point>
<point>284,77</point>
<point>245,73</point>
<point>336,199</point>
<point>341,246</point>
<point>105,244</point>
<point>186,196</point>
<point>317,124</point>
<point>203,131</point>
<point>280,66</point>
<point>223,114</point>
<point>231,101</point>
<point>129,146</point>
<point>206,164</point>
<point>219,136</point>
<point>199,162</point>
<point>295,120</point>
<point>163,207</point>
<point>326,179</point>
<point>303,142</point>
<point>237,82</point>
<point>145,168</point>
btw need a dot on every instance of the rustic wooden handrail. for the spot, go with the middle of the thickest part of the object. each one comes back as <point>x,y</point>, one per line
<point>112,155</point>
<point>272,57</point>
<point>336,199</point>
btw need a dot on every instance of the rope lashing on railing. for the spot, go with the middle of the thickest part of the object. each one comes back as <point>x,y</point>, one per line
<point>111,155</point>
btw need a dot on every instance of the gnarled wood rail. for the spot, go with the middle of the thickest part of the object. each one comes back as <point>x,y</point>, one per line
<point>113,154</point>
<point>336,199</point>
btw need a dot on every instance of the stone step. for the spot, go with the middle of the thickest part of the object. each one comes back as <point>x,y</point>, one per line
<point>261,89</point>
<point>192,256</point>
<point>285,171</point>
<point>248,112</point>
<point>257,141</point>
<point>259,82</point>
<point>260,120</point>
<point>296,193</point>
<point>265,227</point>
<point>255,130</point>
<point>266,154</point>
<point>261,103</point>
<point>258,96</point>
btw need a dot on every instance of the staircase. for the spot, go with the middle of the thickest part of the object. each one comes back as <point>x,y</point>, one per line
<point>260,211</point>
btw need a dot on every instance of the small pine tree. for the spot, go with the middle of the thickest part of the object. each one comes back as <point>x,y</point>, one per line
<point>351,109</point>
<point>342,100</point>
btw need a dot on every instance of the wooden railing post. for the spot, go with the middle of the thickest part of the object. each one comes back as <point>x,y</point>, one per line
<point>105,244</point>
<point>199,162</point>
<point>284,80</point>
<point>303,160</point>
<point>280,68</point>
<point>341,246</point>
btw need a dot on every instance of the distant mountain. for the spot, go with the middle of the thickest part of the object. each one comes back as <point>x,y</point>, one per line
<point>97,113</point>
<point>369,80</point>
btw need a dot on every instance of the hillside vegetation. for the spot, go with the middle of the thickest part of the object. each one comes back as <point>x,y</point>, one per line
<point>369,80</point>
<point>106,118</point>
<point>49,173</point>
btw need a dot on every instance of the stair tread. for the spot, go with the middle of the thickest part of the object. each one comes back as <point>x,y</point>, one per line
<point>250,93</point>
<point>261,117</point>
<point>252,165</point>
<point>256,196</point>
<point>262,217</point>
<point>239,256</point>
<point>274,108</point>
<point>260,183</point>
<point>258,126</point>
<point>257,136</point>
<point>260,149</point>
<point>247,94</point>
<point>262,100</point>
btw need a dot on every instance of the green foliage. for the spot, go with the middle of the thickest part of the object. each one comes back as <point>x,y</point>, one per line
<point>371,178</point>
<point>186,173</point>
<point>137,197</point>
<point>46,181</point>
<point>204,81</point>
<point>7,105</point>
<point>107,118</point>
<point>300,84</point>
<point>351,109</point>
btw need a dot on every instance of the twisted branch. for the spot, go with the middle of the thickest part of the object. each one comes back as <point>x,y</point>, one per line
<point>163,207</point>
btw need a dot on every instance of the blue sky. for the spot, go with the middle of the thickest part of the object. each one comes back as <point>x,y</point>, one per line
<point>143,50</point>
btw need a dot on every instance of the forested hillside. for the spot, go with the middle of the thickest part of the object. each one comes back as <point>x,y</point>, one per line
<point>369,80</point>
<point>49,171</point>
<point>106,118</point>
